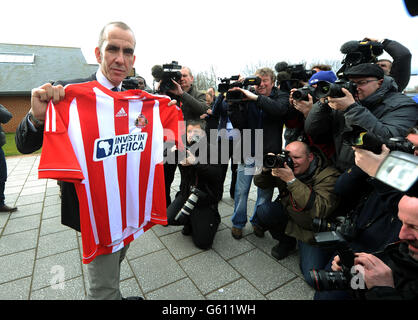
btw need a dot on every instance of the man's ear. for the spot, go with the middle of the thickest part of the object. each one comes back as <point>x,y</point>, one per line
<point>98,55</point>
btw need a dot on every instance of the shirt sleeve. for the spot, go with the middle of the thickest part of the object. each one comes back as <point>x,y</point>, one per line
<point>58,160</point>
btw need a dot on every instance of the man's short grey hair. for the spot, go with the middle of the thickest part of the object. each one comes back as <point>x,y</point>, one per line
<point>118,24</point>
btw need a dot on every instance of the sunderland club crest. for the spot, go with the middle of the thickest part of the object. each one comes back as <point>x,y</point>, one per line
<point>141,121</point>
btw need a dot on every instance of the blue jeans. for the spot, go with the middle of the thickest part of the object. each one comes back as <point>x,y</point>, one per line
<point>3,176</point>
<point>242,189</point>
<point>313,257</point>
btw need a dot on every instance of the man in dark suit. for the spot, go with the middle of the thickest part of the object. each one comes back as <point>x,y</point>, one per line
<point>115,55</point>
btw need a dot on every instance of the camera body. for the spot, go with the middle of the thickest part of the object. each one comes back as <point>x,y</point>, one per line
<point>361,138</point>
<point>302,93</point>
<point>184,214</point>
<point>130,83</point>
<point>327,89</point>
<point>236,96</point>
<point>344,225</point>
<point>277,161</point>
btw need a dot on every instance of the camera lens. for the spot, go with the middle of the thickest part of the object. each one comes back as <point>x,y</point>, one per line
<point>329,280</point>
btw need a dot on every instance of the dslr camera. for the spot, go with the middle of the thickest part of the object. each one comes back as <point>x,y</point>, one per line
<point>271,161</point>
<point>184,214</point>
<point>302,93</point>
<point>344,225</point>
<point>334,280</point>
<point>166,73</point>
<point>327,89</point>
<point>236,96</point>
<point>360,137</point>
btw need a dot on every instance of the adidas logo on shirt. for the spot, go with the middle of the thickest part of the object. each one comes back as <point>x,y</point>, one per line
<point>121,113</point>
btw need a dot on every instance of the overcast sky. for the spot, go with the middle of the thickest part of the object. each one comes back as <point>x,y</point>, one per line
<point>228,34</point>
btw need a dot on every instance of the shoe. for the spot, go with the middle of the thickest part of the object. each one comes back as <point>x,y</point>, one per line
<point>258,231</point>
<point>236,233</point>
<point>133,298</point>
<point>282,250</point>
<point>187,230</point>
<point>6,208</point>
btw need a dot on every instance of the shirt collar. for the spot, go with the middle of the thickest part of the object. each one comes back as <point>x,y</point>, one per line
<point>105,82</point>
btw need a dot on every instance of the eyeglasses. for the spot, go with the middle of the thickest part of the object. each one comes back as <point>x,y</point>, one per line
<point>361,83</point>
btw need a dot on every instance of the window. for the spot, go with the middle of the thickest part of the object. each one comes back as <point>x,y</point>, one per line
<point>17,58</point>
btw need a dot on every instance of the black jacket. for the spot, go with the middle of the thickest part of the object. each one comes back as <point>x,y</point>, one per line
<point>268,114</point>
<point>405,275</point>
<point>28,141</point>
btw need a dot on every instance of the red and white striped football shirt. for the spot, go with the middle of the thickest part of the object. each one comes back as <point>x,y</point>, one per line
<point>110,145</point>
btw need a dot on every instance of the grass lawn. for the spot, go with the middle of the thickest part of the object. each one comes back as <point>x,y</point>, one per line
<point>10,147</point>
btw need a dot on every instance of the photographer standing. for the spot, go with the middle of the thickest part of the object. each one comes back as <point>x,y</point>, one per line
<point>196,204</point>
<point>376,106</point>
<point>306,192</point>
<point>262,110</point>
<point>193,105</point>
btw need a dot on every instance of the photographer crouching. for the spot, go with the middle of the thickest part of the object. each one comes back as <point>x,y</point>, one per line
<point>306,191</point>
<point>196,204</point>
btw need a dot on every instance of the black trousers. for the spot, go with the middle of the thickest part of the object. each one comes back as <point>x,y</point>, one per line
<point>203,221</point>
<point>169,172</point>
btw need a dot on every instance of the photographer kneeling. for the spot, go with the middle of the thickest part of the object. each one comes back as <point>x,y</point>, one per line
<point>196,204</point>
<point>306,192</point>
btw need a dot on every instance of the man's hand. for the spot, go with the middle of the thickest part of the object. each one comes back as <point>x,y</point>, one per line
<point>301,105</point>
<point>376,272</point>
<point>41,97</point>
<point>248,94</point>
<point>368,161</point>
<point>335,266</point>
<point>189,160</point>
<point>178,91</point>
<point>285,174</point>
<point>341,103</point>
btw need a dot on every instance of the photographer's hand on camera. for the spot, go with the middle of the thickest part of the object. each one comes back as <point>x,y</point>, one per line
<point>301,105</point>
<point>190,159</point>
<point>285,173</point>
<point>368,161</point>
<point>375,272</point>
<point>341,103</point>
<point>177,91</point>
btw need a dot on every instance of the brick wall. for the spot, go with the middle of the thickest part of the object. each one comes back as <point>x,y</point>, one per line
<point>18,106</point>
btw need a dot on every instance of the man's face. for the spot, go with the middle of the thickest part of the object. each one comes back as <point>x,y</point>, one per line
<point>194,130</point>
<point>414,139</point>
<point>301,159</point>
<point>116,57</point>
<point>264,88</point>
<point>186,79</point>
<point>385,65</point>
<point>408,214</point>
<point>366,86</point>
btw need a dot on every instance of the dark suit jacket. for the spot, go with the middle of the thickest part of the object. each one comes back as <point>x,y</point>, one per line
<point>28,141</point>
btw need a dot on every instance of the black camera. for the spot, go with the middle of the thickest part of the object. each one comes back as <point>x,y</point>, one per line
<point>236,96</point>
<point>165,74</point>
<point>271,161</point>
<point>184,214</point>
<point>333,90</point>
<point>334,280</point>
<point>346,226</point>
<point>130,83</point>
<point>361,138</point>
<point>357,52</point>
<point>291,76</point>
<point>302,93</point>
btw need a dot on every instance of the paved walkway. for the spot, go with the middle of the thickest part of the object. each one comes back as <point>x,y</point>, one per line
<point>36,251</point>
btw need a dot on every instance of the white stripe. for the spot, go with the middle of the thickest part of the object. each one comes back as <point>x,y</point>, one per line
<point>51,105</point>
<point>75,135</point>
<point>132,178</point>
<point>54,120</point>
<point>106,123</point>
